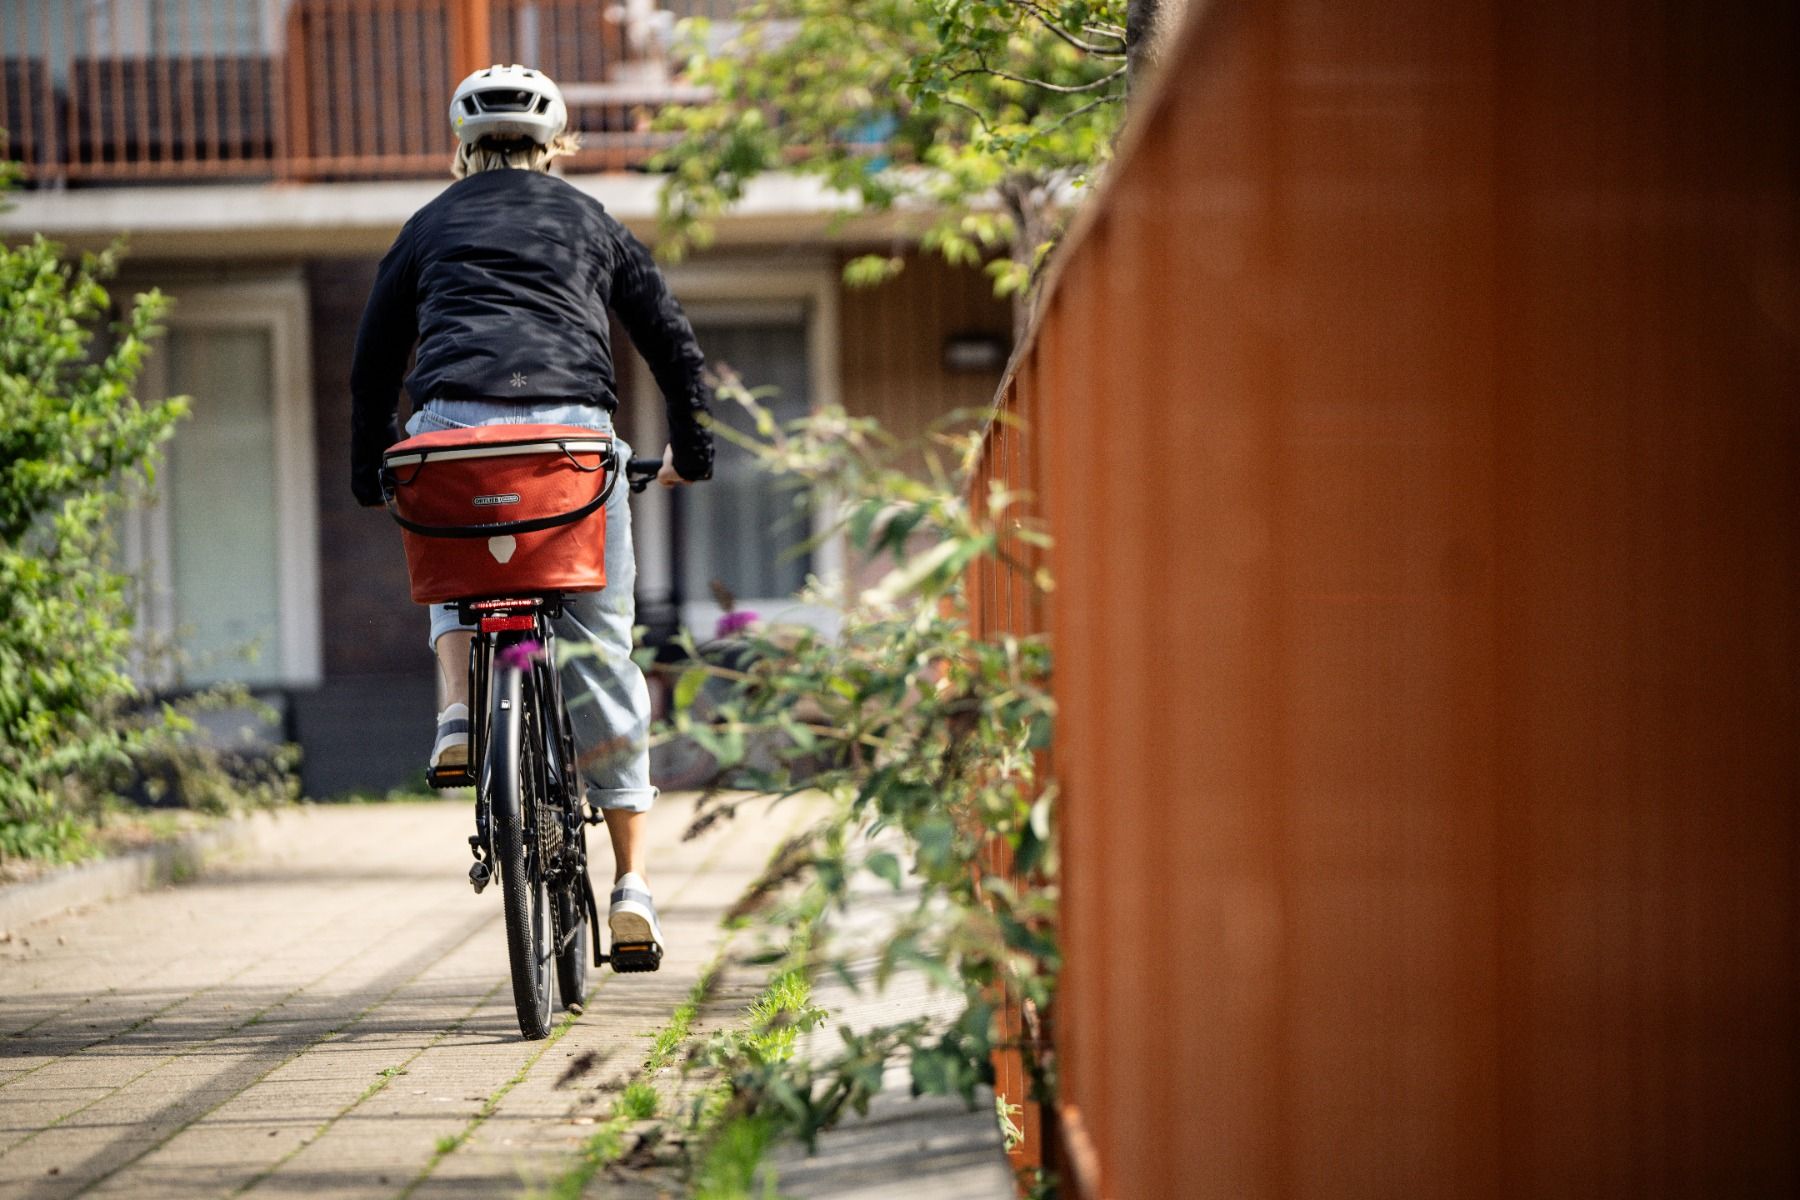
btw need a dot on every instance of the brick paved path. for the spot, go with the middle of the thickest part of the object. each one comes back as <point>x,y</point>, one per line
<point>332,1019</point>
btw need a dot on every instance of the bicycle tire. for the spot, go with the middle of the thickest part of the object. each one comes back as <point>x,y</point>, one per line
<point>563,783</point>
<point>523,892</point>
<point>572,961</point>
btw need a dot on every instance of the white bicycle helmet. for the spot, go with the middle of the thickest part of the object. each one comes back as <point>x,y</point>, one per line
<point>508,102</point>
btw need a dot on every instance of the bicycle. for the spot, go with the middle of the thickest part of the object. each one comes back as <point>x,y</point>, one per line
<point>530,817</point>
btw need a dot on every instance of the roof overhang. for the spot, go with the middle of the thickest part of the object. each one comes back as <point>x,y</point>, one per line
<point>289,220</point>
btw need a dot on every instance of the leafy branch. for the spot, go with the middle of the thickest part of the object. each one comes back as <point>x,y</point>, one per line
<point>927,738</point>
<point>935,106</point>
<point>1054,27</point>
<point>1092,85</point>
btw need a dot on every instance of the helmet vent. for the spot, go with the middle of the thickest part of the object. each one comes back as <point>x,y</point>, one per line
<point>504,100</point>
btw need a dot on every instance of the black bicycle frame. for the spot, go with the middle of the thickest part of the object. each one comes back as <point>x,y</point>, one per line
<point>556,744</point>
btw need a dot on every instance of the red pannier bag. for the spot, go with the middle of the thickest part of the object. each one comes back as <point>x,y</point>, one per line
<point>501,510</point>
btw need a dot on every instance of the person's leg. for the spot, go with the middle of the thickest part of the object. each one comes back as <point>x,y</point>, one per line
<point>626,829</point>
<point>449,639</point>
<point>609,708</point>
<point>453,667</point>
<point>450,644</point>
<point>607,698</point>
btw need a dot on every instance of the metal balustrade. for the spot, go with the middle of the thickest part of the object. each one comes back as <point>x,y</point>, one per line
<point>146,90</point>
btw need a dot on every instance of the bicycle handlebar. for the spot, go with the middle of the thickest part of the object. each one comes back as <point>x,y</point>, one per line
<point>640,471</point>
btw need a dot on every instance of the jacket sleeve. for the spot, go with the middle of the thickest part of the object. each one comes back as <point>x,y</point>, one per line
<point>384,340</point>
<point>661,333</point>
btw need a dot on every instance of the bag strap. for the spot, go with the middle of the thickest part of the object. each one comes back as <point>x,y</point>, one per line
<point>503,528</point>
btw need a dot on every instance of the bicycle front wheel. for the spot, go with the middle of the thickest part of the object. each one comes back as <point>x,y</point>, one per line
<point>513,777</point>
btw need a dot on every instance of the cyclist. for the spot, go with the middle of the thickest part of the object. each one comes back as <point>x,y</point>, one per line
<point>503,282</point>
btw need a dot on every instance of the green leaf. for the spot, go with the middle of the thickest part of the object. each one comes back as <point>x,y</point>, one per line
<point>885,865</point>
<point>688,687</point>
<point>862,521</point>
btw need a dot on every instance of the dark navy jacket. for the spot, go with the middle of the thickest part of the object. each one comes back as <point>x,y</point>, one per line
<point>503,281</point>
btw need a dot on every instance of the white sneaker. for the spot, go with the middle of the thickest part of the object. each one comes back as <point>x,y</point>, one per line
<point>451,750</point>
<point>637,942</point>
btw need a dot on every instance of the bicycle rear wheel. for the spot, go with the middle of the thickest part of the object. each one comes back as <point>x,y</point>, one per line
<point>572,959</point>
<point>514,778</point>
<point>563,840</point>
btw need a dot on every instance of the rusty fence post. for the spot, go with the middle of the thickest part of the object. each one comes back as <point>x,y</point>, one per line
<point>293,142</point>
<point>471,36</point>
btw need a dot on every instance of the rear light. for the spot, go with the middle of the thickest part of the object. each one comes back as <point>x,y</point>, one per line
<point>525,602</point>
<point>502,624</point>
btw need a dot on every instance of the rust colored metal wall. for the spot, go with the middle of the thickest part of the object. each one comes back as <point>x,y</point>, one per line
<point>1003,599</point>
<point>1416,415</point>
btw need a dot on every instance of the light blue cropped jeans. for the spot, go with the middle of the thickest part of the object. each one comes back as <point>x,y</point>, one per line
<point>608,701</point>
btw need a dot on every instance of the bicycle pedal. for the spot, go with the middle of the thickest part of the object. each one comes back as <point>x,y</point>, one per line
<point>480,875</point>
<point>635,956</point>
<point>449,777</point>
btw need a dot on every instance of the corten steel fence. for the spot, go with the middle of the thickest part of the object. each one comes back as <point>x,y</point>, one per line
<point>1414,412</point>
<point>1006,599</point>
<point>124,90</point>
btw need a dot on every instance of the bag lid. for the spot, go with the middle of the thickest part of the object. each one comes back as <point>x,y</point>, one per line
<point>485,441</point>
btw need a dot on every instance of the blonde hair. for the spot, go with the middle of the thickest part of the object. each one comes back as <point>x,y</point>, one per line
<point>491,155</point>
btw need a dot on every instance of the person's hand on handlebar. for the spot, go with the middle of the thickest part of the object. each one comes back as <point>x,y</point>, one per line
<point>640,471</point>
<point>668,476</point>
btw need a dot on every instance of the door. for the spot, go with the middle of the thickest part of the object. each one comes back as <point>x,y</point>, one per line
<point>226,552</point>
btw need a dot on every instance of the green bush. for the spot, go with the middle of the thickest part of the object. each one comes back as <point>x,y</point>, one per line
<point>927,735</point>
<point>73,436</point>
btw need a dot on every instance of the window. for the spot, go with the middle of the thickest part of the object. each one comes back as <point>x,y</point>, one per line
<point>221,502</point>
<point>744,529</point>
<point>179,27</point>
<point>226,554</point>
<point>776,325</point>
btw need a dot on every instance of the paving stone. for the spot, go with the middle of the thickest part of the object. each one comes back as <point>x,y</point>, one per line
<point>228,1036</point>
<point>905,1146</point>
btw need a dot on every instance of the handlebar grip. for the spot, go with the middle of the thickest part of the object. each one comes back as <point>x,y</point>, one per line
<point>640,471</point>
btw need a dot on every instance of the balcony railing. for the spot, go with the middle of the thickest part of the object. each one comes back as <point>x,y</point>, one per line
<point>147,90</point>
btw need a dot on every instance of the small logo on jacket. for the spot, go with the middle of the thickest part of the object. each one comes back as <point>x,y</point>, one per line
<point>519,380</point>
<point>503,498</point>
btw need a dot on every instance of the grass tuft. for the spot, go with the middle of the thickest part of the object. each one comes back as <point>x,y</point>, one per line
<point>729,1168</point>
<point>639,1101</point>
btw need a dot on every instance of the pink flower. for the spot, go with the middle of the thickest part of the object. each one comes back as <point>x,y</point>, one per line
<point>733,623</point>
<point>520,654</point>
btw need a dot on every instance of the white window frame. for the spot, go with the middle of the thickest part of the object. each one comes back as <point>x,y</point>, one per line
<point>748,291</point>
<point>280,307</point>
